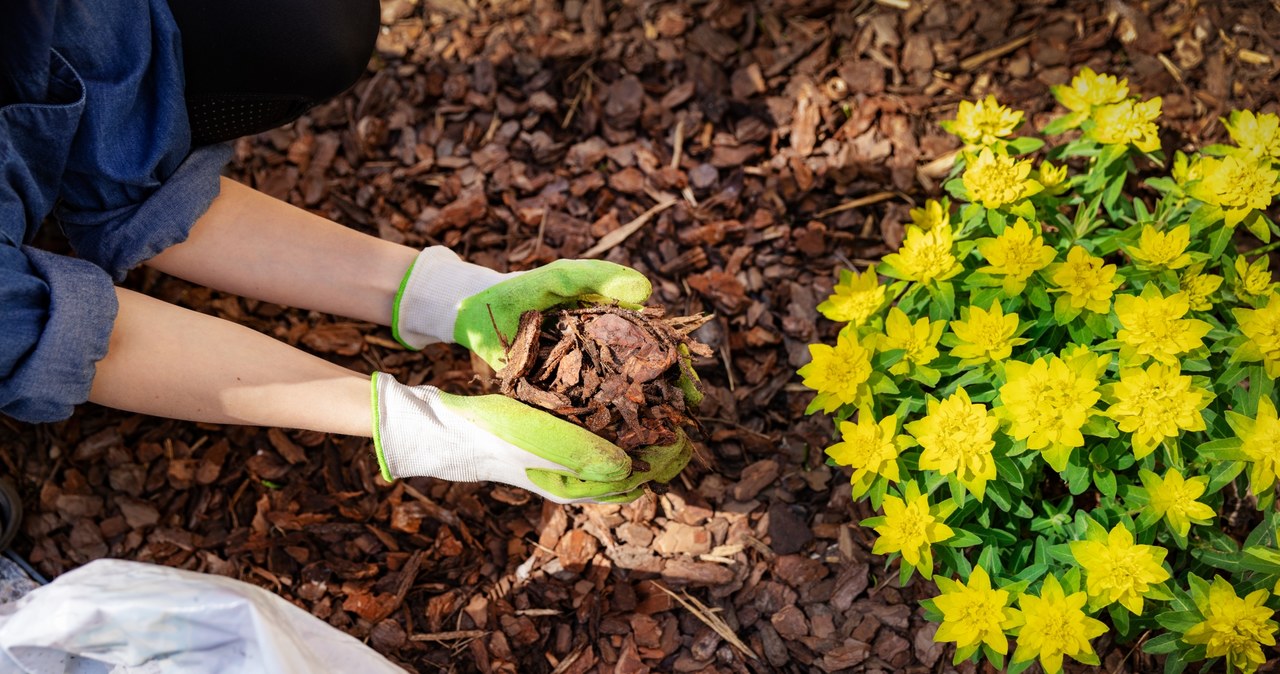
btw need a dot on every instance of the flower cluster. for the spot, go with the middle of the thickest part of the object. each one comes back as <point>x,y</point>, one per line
<point>1055,385</point>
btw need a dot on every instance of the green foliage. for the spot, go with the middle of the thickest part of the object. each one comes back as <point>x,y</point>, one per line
<point>1077,367</point>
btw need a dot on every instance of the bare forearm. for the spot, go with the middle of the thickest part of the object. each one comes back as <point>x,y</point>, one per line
<point>172,362</point>
<point>256,246</point>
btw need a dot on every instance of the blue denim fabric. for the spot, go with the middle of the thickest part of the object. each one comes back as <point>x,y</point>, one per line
<point>93,128</point>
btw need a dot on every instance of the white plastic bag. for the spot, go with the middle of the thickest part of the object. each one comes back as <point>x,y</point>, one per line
<point>120,617</point>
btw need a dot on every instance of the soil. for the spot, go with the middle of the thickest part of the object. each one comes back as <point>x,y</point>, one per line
<point>737,154</point>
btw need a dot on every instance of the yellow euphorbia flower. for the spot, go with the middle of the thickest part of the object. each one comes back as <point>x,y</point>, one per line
<point>1128,123</point>
<point>984,335</point>
<point>1260,441</point>
<point>1253,280</point>
<point>996,180</point>
<point>1054,626</point>
<point>1047,402</point>
<point>957,437</point>
<point>1175,499</point>
<point>1119,570</point>
<point>1186,169</point>
<point>1234,628</point>
<point>1153,326</point>
<point>924,256</point>
<point>1016,254</point>
<point>1054,178</point>
<point>974,614</point>
<point>1087,281</point>
<point>839,374</point>
<point>1163,250</point>
<point>918,340</point>
<point>1199,288</point>
<point>1156,403</point>
<point>984,122</point>
<point>910,527</point>
<point>1089,90</point>
<point>1237,186</point>
<point>1261,329</point>
<point>1257,135</point>
<point>871,448</point>
<point>930,216</point>
<point>856,297</point>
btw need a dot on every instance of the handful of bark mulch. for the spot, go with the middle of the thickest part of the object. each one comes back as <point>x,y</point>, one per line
<point>621,373</point>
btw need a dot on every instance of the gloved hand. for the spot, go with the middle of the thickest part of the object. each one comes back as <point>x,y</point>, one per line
<point>444,299</point>
<point>423,431</point>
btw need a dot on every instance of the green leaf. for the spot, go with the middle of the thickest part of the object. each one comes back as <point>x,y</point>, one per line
<point>1165,643</point>
<point>1262,560</point>
<point>1177,621</point>
<point>1120,618</point>
<point>1222,474</point>
<point>1065,123</point>
<point>1025,145</point>
<point>1105,481</point>
<point>962,538</point>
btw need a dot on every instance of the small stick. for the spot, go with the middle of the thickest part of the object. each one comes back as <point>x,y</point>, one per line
<point>506,344</point>
<point>617,236</point>
<point>855,203</point>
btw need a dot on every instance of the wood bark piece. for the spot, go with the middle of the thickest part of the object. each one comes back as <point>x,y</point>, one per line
<point>612,370</point>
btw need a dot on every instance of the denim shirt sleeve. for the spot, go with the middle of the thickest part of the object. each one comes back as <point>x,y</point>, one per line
<point>131,187</point>
<point>57,313</point>
<point>94,121</point>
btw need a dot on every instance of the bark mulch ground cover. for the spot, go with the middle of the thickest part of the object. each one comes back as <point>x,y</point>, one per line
<point>737,153</point>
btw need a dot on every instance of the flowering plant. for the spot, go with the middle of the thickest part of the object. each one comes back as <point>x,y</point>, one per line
<point>1060,391</point>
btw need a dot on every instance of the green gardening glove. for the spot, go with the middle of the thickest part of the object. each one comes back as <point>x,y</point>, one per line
<point>443,299</point>
<point>423,431</point>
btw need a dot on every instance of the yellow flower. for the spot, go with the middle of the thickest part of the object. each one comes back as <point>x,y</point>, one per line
<point>1253,280</point>
<point>996,180</point>
<point>1234,628</point>
<point>930,216</point>
<point>1087,281</point>
<point>1128,123</point>
<point>1047,402</point>
<point>1260,441</point>
<point>1163,250</point>
<point>856,297</point>
<point>871,448</point>
<point>1055,626</point>
<point>1054,178</point>
<point>984,122</point>
<point>910,527</point>
<point>1186,169</point>
<point>1174,499</point>
<point>918,341</point>
<point>1199,288</point>
<point>1257,135</point>
<point>1156,403</point>
<point>1089,90</point>
<point>1016,254</point>
<point>1261,329</point>
<point>1237,186</point>
<point>974,614</point>
<point>985,334</point>
<point>957,437</point>
<point>1153,326</point>
<point>839,374</point>
<point>925,256</point>
<point>1118,570</point>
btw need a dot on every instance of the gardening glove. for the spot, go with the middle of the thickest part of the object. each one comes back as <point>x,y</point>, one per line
<point>444,299</point>
<point>423,431</point>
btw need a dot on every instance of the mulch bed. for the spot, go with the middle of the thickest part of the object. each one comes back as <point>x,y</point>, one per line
<point>735,153</point>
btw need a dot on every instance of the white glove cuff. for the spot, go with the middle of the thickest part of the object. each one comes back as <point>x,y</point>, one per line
<point>426,307</point>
